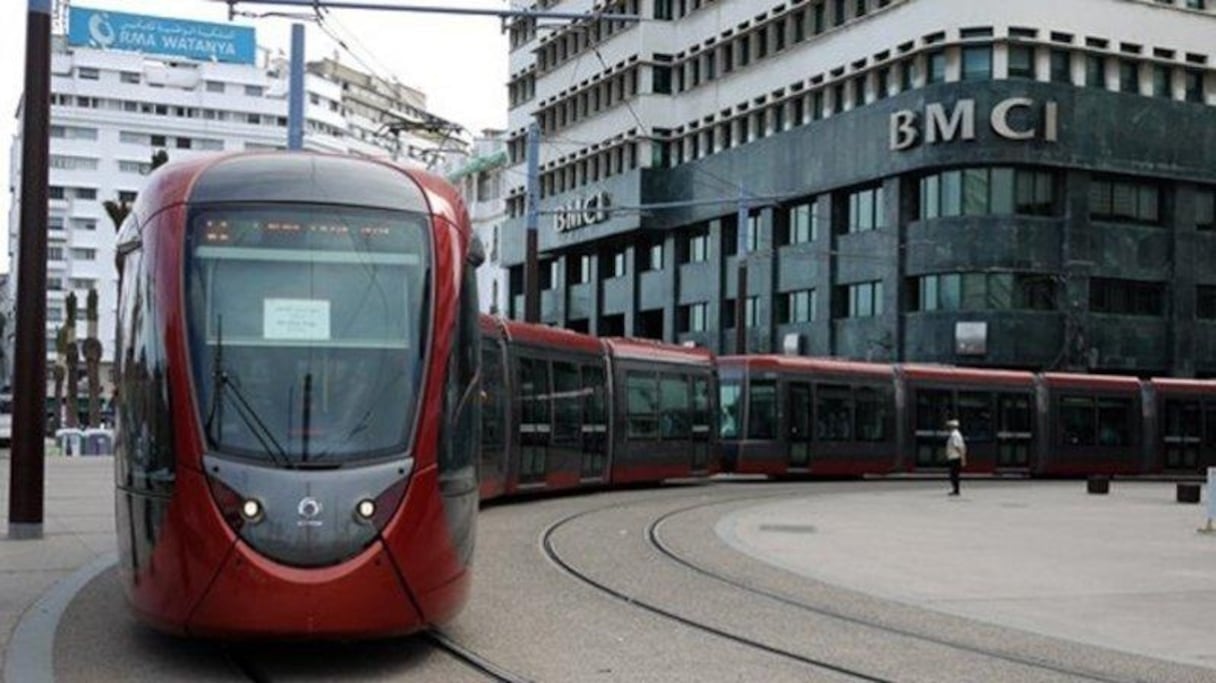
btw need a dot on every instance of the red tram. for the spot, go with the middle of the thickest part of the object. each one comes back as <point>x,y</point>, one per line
<point>794,415</point>
<point>297,414</point>
<point>563,410</point>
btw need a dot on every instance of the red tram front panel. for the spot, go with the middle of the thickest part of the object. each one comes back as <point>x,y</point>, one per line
<point>291,329</point>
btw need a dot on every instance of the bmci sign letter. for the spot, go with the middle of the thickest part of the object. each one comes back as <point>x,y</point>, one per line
<point>1016,118</point>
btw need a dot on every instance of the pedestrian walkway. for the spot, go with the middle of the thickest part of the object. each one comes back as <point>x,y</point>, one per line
<point>1125,571</point>
<point>78,527</point>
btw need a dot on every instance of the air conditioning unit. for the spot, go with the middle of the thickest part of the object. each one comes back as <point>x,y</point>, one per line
<point>791,344</point>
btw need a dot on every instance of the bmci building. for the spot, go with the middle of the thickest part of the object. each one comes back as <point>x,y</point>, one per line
<point>1013,184</point>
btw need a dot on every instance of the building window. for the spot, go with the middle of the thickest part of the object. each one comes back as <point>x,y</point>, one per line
<point>796,307</point>
<point>1021,61</point>
<point>1161,81</point>
<point>1129,76</point>
<point>1205,210</point>
<point>1124,201</point>
<point>937,67</point>
<point>254,90</point>
<point>81,254</point>
<point>693,318</point>
<point>129,76</point>
<point>87,73</point>
<point>977,62</point>
<point>983,291</point>
<point>1126,297</point>
<point>1095,71</point>
<point>215,86</point>
<point>654,257</point>
<point>697,249</point>
<point>866,210</point>
<point>987,191</point>
<point>1061,66</point>
<point>1205,298</point>
<point>862,300</point>
<point>1193,85</point>
<point>803,223</point>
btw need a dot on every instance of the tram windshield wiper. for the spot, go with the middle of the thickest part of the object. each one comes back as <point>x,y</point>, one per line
<point>244,410</point>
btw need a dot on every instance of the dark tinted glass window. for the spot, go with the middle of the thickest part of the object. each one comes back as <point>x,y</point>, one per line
<point>833,413</point>
<point>762,410</point>
<point>731,407</point>
<point>674,403</point>
<point>567,402</point>
<point>642,395</point>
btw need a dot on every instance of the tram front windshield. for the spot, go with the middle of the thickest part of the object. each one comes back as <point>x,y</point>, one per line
<point>306,326</point>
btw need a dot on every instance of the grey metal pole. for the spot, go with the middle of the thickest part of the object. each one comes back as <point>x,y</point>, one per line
<point>741,295</point>
<point>532,216</point>
<point>295,101</point>
<point>26,478</point>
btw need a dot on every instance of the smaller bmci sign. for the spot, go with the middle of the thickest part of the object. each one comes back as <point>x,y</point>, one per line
<point>106,30</point>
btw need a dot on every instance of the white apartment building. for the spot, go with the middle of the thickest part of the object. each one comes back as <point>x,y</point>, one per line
<point>481,178</point>
<point>112,110</point>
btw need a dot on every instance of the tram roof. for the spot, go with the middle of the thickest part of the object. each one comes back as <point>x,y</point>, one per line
<point>1100,382</point>
<point>649,349</point>
<point>1176,385</point>
<point>782,363</point>
<point>957,375</point>
<point>552,337</point>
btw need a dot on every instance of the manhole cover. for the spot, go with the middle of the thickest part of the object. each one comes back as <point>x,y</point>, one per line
<point>789,528</point>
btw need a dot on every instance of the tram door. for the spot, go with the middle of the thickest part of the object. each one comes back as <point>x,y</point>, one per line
<point>933,408</point>
<point>1014,431</point>
<point>534,427</point>
<point>702,416</point>
<point>1182,430</point>
<point>493,420</point>
<point>799,403</point>
<point>595,424</point>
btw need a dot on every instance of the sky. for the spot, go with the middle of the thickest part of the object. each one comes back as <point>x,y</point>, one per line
<point>460,62</point>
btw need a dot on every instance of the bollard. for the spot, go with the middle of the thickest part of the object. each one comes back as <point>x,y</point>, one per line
<point>1188,492</point>
<point>1098,484</point>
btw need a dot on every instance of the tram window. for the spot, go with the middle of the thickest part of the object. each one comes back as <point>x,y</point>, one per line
<point>975,415</point>
<point>534,391</point>
<point>701,414</point>
<point>762,410</point>
<point>1077,424</point>
<point>730,405</point>
<point>833,413</point>
<point>1015,414</point>
<point>1182,418</point>
<point>491,388</point>
<point>1114,416</point>
<point>675,406</point>
<point>871,414</point>
<point>933,408</point>
<point>593,388</point>
<point>643,405</point>
<point>567,403</point>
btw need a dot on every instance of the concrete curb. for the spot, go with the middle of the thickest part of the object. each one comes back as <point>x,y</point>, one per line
<point>30,655</point>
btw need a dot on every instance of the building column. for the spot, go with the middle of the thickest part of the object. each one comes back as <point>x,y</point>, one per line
<point>671,277</point>
<point>901,196</point>
<point>1076,264</point>
<point>720,275</point>
<point>597,294</point>
<point>763,284</point>
<point>631,270</point>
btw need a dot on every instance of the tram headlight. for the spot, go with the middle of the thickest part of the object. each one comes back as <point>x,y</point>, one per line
<point>251,510</point>
<point>365,510</point>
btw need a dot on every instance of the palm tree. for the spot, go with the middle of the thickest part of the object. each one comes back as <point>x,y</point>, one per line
<point>92,359</point>
<point>73,362</point>
<point>61,350</point>
<point>119,210</point>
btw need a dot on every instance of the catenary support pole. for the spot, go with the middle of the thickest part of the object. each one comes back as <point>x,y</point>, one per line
<point>532,216</point>
<point>295,101</point>
<point>26,475</point>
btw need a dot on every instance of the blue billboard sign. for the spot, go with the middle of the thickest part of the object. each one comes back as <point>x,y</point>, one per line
<point>197,40</point>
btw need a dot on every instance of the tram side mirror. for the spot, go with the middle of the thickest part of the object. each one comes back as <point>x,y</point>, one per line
<point>477,252</point>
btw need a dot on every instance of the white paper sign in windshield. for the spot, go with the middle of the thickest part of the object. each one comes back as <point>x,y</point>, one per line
<point>295,319</point>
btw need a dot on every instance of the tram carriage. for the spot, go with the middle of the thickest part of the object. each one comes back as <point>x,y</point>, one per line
<point>787,415</point>
<point>296,419</point>
<point>1092,424</point>
<point>1185,425</point>
<point>563,410</point>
